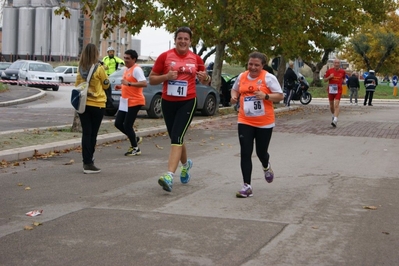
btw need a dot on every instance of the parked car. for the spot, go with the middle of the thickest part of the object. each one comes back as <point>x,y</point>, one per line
<point>207,97</point>
<point>66,74</point>
<point>4,65</point>
<point>225,87</point>
<point>38,74</point>
<point>12,72</point>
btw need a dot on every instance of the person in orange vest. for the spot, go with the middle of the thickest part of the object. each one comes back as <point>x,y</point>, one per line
<point>256,89</point>
<point>131,101</point>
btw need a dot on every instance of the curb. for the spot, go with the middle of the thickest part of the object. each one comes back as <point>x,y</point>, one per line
<point>32,98</point>
<point>30,151</point>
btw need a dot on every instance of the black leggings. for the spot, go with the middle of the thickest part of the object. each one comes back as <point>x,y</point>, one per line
<point>178,117</point>
<point>91,122</point>
<point>124,121</point>
<point>247,135</point>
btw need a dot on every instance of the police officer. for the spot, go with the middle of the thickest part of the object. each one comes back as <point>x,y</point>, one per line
<point>111,62</point>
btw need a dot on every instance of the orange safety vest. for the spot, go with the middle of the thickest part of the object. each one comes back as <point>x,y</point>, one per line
<point>254,112</point>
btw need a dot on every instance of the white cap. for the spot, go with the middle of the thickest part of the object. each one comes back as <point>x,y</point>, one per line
<point>371,71</point>
<point>110,49</point>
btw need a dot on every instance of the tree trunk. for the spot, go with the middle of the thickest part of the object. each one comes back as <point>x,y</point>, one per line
<point>217,67</point>
<point>95,38</point>
<point>76,125</point>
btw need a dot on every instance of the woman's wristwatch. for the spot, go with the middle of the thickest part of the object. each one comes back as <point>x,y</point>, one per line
<point>266,96</point>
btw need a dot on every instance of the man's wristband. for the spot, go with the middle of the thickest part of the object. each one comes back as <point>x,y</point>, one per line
<point>266,96</point>
<point>129,84</point>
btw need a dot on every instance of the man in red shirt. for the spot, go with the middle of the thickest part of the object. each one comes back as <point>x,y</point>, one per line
<point>335,77</point>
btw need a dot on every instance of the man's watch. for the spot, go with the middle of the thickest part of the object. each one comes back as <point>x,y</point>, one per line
<point>266,96</point>
<point>129,84</point>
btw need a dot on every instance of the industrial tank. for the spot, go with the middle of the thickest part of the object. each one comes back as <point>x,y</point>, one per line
<point>73,34</point>
<point>21,3</point>
<point>42,36</point>
<point>43,3</point>
<point>136,45</point>
<point>58,34</point>
<point>10,31</point>
<point>26,29</point>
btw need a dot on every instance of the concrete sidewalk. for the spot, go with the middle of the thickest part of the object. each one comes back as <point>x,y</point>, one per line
<point>333,201</point>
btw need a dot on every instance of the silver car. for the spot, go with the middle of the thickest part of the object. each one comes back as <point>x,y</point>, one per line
<point>208,98</point>
<point>38,74</point>
<point>66,74</point>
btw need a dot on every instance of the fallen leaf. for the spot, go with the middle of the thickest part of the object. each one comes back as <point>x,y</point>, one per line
<point>28,227</point>
<point>37,223</point>
<point>70,162</point>
<point>370,207</point>
<point>20,184</point>
<point>159,147</point>
<point>27,188</point>
<point>315,227</point>
<point>385,233</point>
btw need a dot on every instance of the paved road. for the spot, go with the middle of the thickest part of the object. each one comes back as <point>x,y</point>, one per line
<point>312,214</point>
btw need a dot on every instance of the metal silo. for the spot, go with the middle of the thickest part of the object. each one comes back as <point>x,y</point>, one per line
<point>21,3</point>
<point>42,36</point>
<point>136,45</point>
<point>10,31</point>
<point>73,33</point>
<point>58,35</point>
<point>26,29</point>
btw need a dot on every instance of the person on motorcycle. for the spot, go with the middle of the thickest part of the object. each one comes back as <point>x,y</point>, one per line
<point>290,79</point>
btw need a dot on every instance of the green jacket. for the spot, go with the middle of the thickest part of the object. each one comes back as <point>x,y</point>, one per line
<point>112,64</point>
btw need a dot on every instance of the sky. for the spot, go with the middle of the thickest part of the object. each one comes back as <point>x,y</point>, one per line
<point>154,41</point>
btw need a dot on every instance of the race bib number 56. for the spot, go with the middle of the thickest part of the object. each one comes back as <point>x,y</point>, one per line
<point>253,106</point>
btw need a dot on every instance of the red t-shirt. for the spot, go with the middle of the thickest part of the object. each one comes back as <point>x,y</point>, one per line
<point>183,88</point>
<point>339,77</point>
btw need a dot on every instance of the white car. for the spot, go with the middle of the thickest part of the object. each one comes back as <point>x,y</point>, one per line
<point>66,74</point>
<point>38,74</point>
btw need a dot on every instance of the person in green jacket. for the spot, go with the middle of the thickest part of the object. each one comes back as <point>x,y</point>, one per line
<point>111,62</point>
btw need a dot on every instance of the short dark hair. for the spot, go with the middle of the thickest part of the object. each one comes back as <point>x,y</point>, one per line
<point>133,54</point>
<point>184,29</point>
<point>260,56</point>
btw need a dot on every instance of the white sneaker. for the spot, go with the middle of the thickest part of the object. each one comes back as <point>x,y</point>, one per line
<point>334,123</point>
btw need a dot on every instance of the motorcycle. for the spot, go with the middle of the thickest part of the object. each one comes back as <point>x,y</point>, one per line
<point>300,92</point>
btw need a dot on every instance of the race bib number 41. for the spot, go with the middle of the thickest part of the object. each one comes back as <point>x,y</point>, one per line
<point>177,88</point>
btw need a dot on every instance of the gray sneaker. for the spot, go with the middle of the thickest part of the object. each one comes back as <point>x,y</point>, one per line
<point>90,169</point>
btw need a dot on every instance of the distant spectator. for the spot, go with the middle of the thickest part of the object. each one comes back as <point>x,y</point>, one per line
<point>370,83</point>
<point>290,79</point>
<point>354,86</point>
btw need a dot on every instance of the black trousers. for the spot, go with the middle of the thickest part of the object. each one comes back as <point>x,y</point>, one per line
<point>124,121</point>
<point>369,97</point>
<point>247,135</point>
<point>91,122</point>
